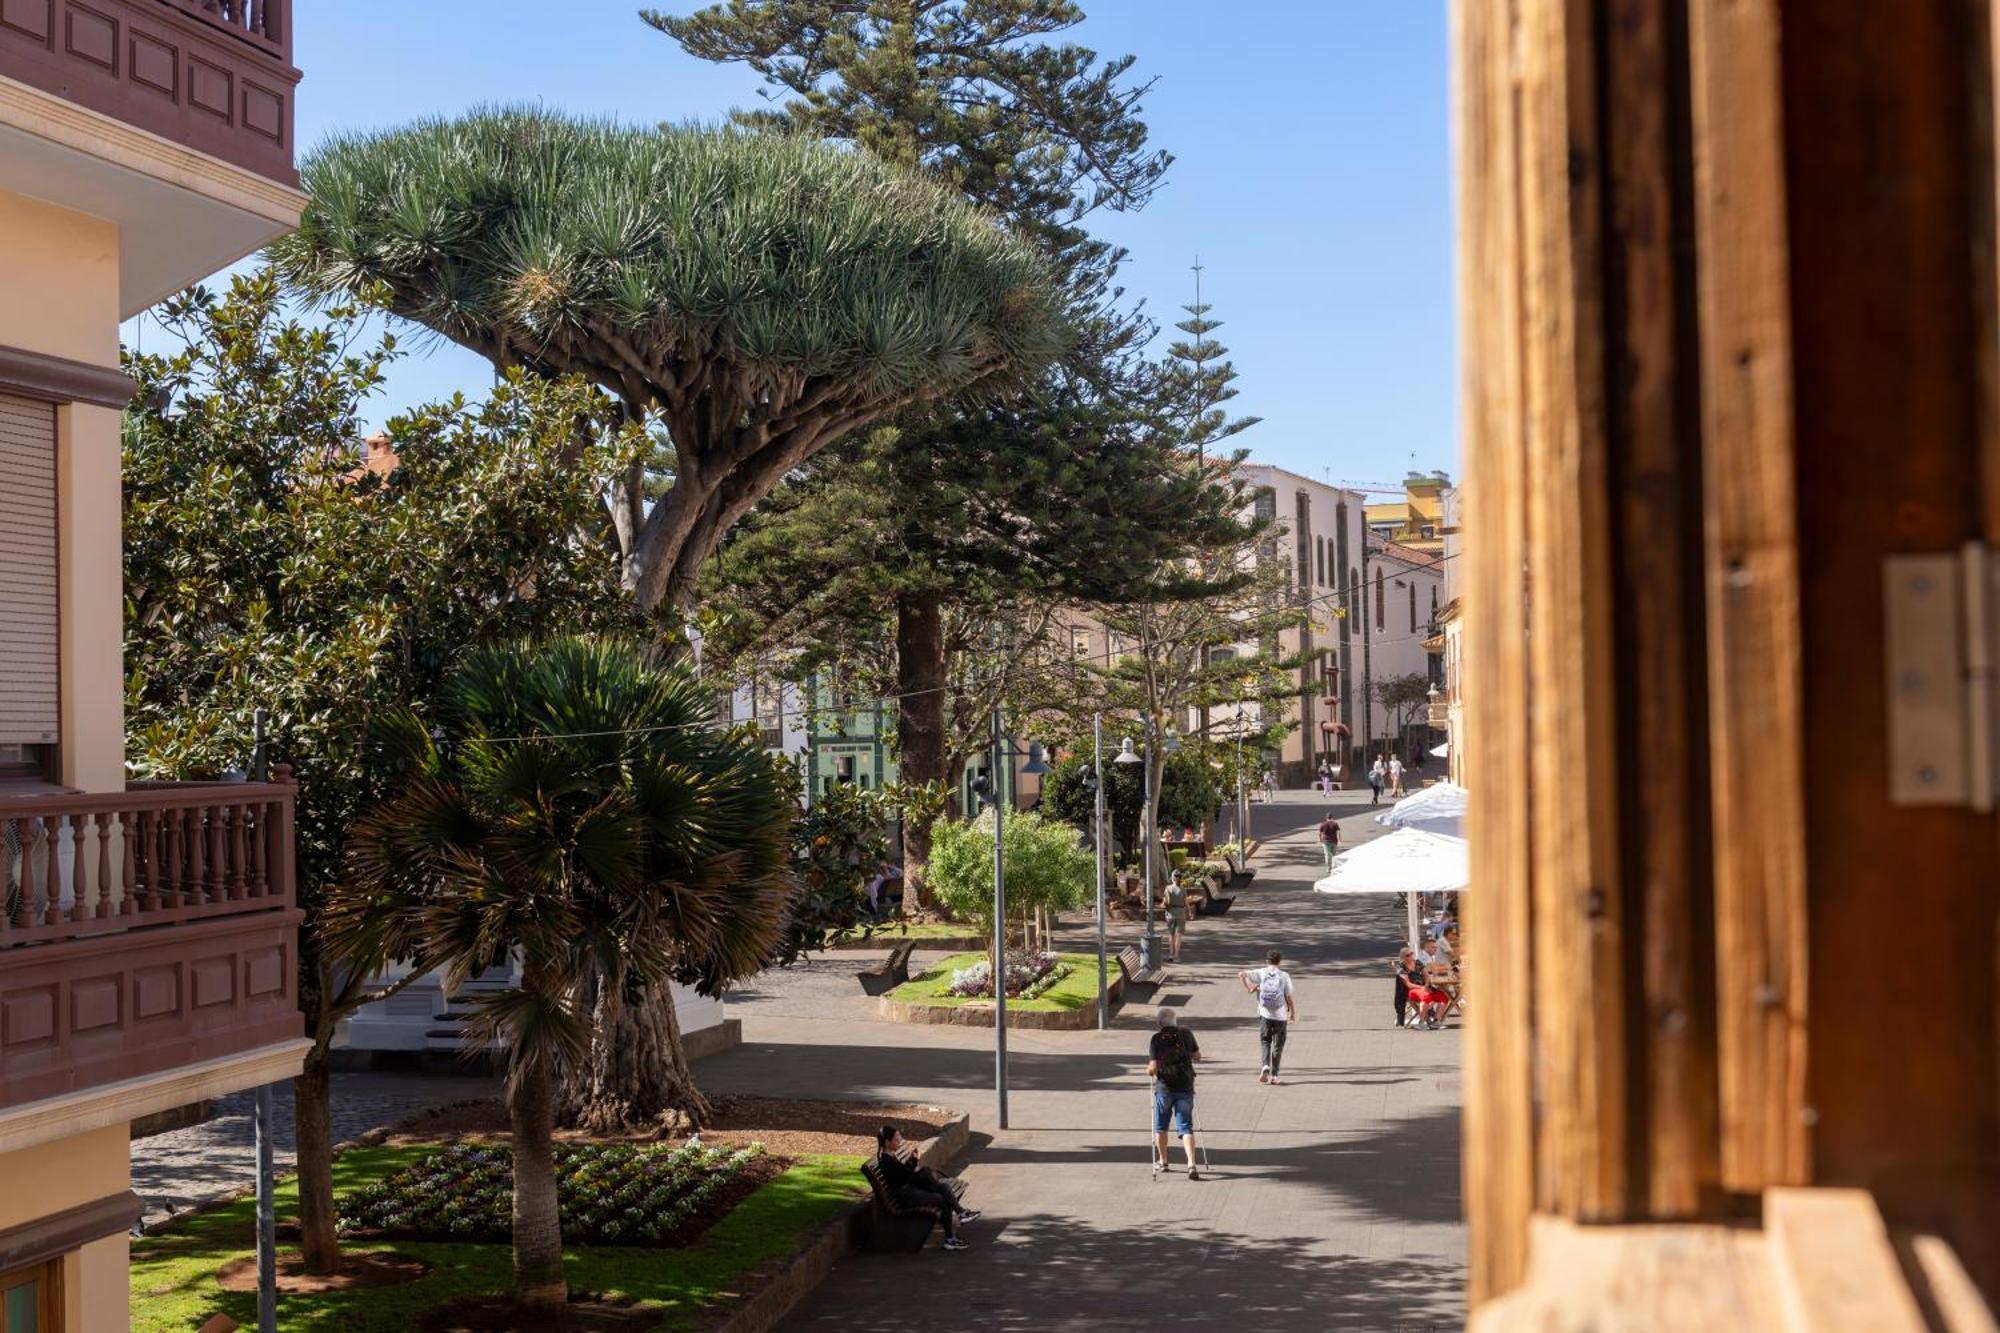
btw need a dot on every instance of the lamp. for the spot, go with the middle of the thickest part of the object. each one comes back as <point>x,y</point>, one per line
<point>1036,764</point>
<point>1126,754</point>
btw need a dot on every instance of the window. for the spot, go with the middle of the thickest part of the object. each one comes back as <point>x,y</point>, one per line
<point>28,702</point>
<point>28,1299</point>
<point>1079,643</point>
<point>1381,603</point>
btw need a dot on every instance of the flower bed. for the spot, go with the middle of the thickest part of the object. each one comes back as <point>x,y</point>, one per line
<point>1028,976</point>
<point>610,1194</point>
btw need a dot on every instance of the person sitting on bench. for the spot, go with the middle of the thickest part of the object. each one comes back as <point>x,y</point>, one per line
<point>915,1186</point>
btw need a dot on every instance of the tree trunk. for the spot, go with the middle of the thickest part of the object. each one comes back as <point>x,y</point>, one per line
<point>637,1076</point>
<point>539,1284</point>
<point>312,1130</point>
<point>920,713</point>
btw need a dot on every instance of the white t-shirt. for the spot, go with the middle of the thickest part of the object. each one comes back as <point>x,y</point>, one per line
<point>1257,983</point>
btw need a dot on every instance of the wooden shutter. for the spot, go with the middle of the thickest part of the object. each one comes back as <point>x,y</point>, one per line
<point>28,691</point>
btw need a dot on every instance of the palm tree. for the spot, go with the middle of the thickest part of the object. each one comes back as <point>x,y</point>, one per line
<point>578,813</point>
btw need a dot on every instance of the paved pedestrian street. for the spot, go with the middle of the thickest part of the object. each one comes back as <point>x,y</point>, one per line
<point>1335,1201</point>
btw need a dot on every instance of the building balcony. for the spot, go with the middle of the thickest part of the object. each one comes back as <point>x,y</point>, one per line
<point>215,76</point>
<point>171,118</point>
<point>143,932</point>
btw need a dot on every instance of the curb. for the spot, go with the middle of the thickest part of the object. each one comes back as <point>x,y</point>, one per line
<point>885,940</point>
<point>803,1273</point>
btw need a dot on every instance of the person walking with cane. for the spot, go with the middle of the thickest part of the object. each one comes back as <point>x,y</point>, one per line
<point>1276,1009</point>
<point>1170,1063</point>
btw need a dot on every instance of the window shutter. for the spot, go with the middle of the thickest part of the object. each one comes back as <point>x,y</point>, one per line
<point>28,688</point>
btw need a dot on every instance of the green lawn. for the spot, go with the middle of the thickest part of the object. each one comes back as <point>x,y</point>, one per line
<point>173,1273</point>
<point>1075,991</point>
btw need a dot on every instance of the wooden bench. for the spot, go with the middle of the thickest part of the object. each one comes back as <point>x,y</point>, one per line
<point>890,973</point>
<point>893,1225</point>
<point>1128,963</point>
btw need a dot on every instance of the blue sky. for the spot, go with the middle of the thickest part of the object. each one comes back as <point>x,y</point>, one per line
<point>1312,176</point>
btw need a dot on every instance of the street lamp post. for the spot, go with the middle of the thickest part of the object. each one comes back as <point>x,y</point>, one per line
<point>992,791</point>
<point>1097,849</point>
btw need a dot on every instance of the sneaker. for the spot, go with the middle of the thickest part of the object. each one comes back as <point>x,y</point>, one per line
<point>1193,1174</point>
<point>1276,1080</point>
<point>968,1215</point>
<point>954,1243</point>
<point>1264,1075</point>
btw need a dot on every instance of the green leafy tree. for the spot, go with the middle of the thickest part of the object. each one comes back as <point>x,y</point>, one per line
<point>582,816</point>
<point>968,506</point>
<point>1047,866</point>
<point>758,296</point>
<point>264,568</point>
<point>1404,698</point>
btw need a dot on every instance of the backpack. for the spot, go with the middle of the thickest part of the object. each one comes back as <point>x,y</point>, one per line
<point>1176,1070</point>
<point>1271,990</point>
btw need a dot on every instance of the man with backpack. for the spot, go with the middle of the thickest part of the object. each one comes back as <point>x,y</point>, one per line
<point>1171,1064</point>
<point>1276,1008</point>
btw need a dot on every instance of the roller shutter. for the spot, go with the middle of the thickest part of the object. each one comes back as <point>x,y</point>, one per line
<point>28,682</point>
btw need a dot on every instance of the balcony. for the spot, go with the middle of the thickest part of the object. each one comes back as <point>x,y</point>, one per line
<point>143,931</point>
<point>215,76</point>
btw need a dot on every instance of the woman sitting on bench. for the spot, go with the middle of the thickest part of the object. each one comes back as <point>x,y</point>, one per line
<point>915,1186</point>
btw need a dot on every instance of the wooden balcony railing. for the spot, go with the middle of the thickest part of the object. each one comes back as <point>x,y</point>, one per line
<point>144,931</point>
<point>265,24</point>
<point>213,75</point>
<point>76,865</point>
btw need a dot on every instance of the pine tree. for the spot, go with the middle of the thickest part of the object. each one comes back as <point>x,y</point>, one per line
<point>977,503</point>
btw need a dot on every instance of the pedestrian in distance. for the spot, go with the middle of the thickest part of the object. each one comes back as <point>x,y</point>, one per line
<point>1329,839</point>
<point>1270,785</point>
<point>1276,1010</point>
<point>1176,903</point>
<point>1378,774</point>
<point>1170,1063</point>
<point>916,1186</point>
<point>1395,776</point>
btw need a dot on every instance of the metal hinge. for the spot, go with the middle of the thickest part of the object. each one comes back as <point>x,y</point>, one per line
<point>1942,629</point>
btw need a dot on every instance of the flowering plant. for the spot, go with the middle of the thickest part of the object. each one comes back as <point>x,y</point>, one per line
<point>1028,975</point>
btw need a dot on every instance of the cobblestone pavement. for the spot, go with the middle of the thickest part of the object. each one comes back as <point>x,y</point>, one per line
<point>174,1171</point>
<point>1335,1201</point>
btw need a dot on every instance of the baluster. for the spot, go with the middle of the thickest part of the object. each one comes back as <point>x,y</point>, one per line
<point>24,865</point>
<point>218,853</point>
<point>260,883</point>
<point>9,856</point>
<point>149,858</point>
<point>197,841</point>
<point>52,870</point>
<point>84,894</point>
<point>128,851</point>
<point>110,892</point>
<point>238,852</point>
<point>176,851</point>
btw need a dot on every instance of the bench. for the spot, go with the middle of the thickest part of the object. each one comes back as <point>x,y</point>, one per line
<point>893,1225</point>
<point>1218,904</point>
<point>890,973</point>
<point>1128,963</point>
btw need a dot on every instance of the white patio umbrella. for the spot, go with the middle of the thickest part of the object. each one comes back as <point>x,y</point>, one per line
<point>1441,751</point>
<point>1438,808</point>
<point>1410,861</point>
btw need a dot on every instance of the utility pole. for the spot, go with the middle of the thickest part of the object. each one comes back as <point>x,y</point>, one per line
<point>999,929</point>
<point>1367,659</point>
<point>1152,831</point>
<point>1097,847</point>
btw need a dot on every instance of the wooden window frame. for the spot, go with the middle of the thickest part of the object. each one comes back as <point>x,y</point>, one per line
<point>49,1315</point>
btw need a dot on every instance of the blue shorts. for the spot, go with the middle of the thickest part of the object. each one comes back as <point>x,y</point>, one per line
<point>1180,1104</point>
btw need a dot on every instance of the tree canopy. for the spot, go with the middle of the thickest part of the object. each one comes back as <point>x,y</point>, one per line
<point>758,295</point>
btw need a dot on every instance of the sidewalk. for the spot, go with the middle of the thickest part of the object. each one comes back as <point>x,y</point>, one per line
<point>1335,1201</point>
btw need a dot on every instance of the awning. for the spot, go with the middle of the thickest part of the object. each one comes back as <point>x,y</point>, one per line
<point>1438,808</point>
<point>1406,861</point>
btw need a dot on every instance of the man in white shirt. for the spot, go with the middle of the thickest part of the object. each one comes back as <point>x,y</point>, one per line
<point>1276,1008</point>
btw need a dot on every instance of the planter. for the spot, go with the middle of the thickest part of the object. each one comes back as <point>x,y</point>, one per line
<point>979,1013</point>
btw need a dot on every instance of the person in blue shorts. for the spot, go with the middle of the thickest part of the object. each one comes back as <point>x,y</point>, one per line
<point>1171,1064</point>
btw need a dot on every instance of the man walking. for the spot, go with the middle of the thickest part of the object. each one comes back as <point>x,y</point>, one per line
<point>1276,1008</point>
<point>1378,773</point>
<point>1329,839</point>
<point>1171,1064</point>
